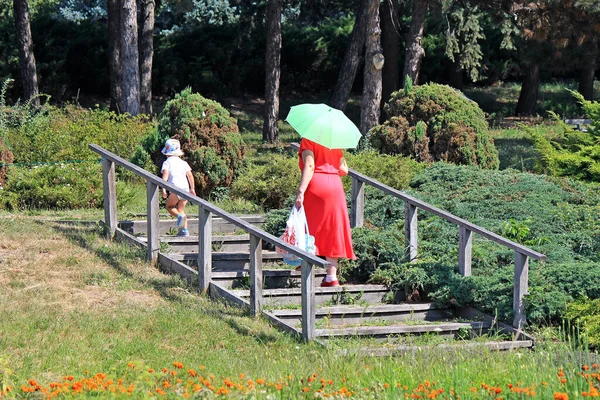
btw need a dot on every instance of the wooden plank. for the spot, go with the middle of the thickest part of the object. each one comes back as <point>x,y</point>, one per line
<point>411,233</point>
<point>152,218</point>
<point>274,273</point>
<point>124,236</point>
<point>204,248</point>
<point>520,283</point>
<point>308,301</point>
<point>471,313</point>
<point>384,308</point>
<point>398,350</point>
<point>210,207</point>
<point>465,248</point>
<point>217,292</point>
<point>357,210</point>
<point>441,213</point>
<point>282,324</point>
<point>350,289</point>
<point>256,276</point>
<point>401,329</point>
<point>110,197</point>
<point>176,267</point>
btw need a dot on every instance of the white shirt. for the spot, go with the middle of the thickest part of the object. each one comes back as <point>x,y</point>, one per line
<point>177,169</point>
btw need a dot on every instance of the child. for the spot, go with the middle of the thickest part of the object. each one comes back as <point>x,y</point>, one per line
<point>178,172</point>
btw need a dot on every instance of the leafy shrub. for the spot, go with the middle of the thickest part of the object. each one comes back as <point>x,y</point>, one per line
<point>209,138</point>
<point>269,184</point>
<point>395,171</point>
<point>6,157</point>
<point>55,134</point>
<point>571,152</point>
<point>586,314</point>
<point>435,123</point>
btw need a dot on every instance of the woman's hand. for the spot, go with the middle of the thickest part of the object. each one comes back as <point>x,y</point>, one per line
<point>164,193</point>
<point>299,200</point>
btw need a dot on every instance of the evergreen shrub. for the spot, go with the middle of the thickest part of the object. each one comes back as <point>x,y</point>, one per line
<point>6,157</point>
<point>558,217</point>
<point>571,152</point>
<point>269,184</point>
<point>435,123</point>
<point>585,313</point>
<point>209,138</point>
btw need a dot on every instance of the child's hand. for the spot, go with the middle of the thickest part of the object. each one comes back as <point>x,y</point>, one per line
<point>164,194</point>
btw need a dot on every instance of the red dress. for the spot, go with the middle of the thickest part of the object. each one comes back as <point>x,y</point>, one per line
<point>325,203</point>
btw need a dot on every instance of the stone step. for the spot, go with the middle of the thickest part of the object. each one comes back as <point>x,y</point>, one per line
<point>370,313</point>
<point>358,294</point>
<point>399,328</point>
<point>219,225</point>
<point>272,278</point>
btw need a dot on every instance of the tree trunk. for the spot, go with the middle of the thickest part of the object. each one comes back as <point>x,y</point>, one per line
<point>272,71</point>
<point>371,97</point>
<point>146,47</point>
<point>414,51</point>
<point>588,70</point>
<point>26,57</point>
<point>114,51</point>
<point>130,58</point>
<point>390,41</point>
<point>457,75</point>
<point>529,90</point>
<point>343,86</point>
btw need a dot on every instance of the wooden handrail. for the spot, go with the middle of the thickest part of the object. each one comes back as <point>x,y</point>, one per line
<point>205,212</point>
<point>466,228</point>
<point>210,207</point>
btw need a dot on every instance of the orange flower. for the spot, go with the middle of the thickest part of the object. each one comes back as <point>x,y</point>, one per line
<point>260,381</point>
<point>166,384</point>
<point>177,364</point>
<point>305,389</point>
<point>561,374</point>
<point>150,370</point>
<point>585,367</point>
<point>131,365</point>
<point>385,385</point>
<point>561,396</point>
<point>242,376</point>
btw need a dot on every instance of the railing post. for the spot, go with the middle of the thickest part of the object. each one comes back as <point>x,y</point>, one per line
<point>204,248</point>
<point>357,214</point>
<point>153,223</point>
<point>308,301</point>
<point>110,197</point>
<point>465,247</point>
<point>520,289</point>
<point>410,231</point>
<point>256,275</point>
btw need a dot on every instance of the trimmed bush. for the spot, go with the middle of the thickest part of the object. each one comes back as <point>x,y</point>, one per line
<point>209,138</point>
<point>435,123</point>
<point>270,184</point>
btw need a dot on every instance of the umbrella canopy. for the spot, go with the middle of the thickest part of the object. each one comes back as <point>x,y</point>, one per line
<point>324,125</point>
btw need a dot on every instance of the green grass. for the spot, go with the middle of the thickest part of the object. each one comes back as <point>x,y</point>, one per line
<point>73,302</point>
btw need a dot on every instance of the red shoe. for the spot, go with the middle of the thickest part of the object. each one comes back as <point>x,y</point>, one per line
<point>299,268</point>
<point>330,284</point>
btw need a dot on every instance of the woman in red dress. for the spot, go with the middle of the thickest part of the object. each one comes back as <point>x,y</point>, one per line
<point>322,194</point>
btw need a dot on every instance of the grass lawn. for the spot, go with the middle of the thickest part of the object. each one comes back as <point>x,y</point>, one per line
<point>78,313</point>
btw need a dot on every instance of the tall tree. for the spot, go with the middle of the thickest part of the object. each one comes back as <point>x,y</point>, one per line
<point>343,86</point>
<point>414,50</point>
<point>529,89</point>
<point>272,71</point>
<point>587,70</point>
<point>146,48</point>
<point>371,96</point>
<point>114,54</point>
<point>26,57</point>
<point>390,42</point>
<point>130,58</point>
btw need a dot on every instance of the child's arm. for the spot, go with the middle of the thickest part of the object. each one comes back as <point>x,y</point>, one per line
<point>190,179</point>
<point>165,176</point>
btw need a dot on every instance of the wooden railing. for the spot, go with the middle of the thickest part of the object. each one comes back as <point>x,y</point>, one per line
<point>206,211</point>
<point>465,242</point>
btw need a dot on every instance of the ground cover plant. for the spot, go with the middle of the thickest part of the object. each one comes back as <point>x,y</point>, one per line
<point>85,317</point>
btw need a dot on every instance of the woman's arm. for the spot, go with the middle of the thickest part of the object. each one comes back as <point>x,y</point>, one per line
<point>307,173</point>
<point>343,167</point>
<point>190,179</point>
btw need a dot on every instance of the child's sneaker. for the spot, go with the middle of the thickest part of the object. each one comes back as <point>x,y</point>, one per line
<point>181,219</point>
<point>184,232</point>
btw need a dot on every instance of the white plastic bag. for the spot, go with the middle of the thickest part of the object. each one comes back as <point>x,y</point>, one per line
<point>297,234</point>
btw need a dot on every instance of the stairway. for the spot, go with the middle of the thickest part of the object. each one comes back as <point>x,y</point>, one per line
<point>366,312</point>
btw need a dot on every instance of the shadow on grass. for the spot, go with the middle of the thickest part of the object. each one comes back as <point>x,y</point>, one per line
<point>84,235</point>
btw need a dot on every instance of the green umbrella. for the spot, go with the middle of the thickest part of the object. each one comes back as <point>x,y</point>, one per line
<point>324,125</point>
